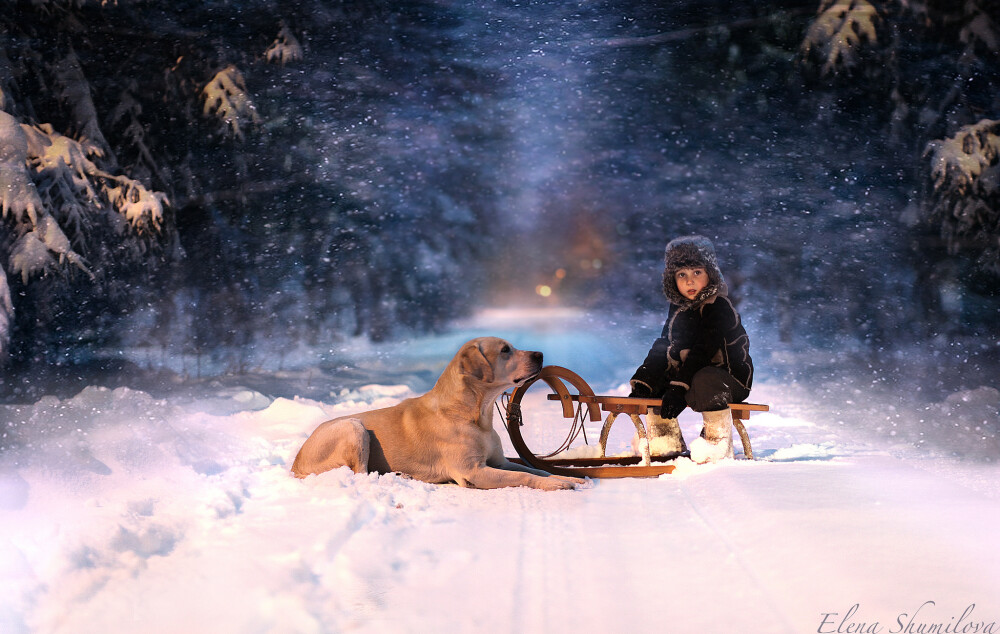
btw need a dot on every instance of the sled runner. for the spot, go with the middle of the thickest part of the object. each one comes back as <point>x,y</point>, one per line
<point>584,405</point>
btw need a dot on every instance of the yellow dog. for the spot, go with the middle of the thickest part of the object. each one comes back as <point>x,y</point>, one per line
<point>445,435</point>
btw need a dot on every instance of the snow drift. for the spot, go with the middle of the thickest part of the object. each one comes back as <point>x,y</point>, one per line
<point>121,512</point>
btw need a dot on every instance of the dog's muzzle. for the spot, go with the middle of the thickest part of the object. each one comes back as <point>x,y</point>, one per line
<point>536,359</point>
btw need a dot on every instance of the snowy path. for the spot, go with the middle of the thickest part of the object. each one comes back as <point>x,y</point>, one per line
<point>122,513</point>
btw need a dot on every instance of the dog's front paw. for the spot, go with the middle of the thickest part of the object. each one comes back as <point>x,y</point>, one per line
<point>575,481</point>
<point>556,483</point>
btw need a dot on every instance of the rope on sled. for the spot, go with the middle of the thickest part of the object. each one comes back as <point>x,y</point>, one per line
<point>574,431</point>
<point>507,412</point>
<point>511,413</point>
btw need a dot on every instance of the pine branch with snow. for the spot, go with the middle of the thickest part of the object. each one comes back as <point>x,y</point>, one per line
<point>226,97</point>
<point>18,196</point>
<point>838,32</point>
<point>965,173</point>
<point>42,243</point>
<point>285,48</point>
<point>65,177</point>
<point>40,250</point>
<point>142,208</point>
<point>980,31</point>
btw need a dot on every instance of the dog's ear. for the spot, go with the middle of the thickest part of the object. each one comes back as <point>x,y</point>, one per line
<point>473,362</point>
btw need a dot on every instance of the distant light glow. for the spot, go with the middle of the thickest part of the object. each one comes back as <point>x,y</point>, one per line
<point>544,290</point>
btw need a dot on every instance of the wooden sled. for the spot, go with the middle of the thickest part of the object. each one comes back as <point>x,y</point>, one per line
<point>585,405</point>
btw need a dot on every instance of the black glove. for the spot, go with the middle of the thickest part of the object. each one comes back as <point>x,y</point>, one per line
<point>674,401</point>
<point>640,390</point>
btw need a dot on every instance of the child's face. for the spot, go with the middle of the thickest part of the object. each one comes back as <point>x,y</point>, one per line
<point>690,282</point>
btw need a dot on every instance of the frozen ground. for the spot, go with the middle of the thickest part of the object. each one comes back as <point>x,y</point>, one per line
<point>125,512</point>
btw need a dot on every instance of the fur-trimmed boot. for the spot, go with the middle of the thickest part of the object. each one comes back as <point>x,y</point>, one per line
<point>716,440</point>
<point>665,438</point>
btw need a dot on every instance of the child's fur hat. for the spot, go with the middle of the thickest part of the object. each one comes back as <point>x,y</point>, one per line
<point>691,252</point>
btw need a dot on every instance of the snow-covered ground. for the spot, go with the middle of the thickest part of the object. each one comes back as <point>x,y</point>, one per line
<point>123,512</point>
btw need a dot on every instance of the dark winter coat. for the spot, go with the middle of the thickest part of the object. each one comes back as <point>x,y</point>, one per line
<point>700,332</point>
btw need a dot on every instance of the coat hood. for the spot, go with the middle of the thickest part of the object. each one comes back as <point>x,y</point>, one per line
<point>692,252</point>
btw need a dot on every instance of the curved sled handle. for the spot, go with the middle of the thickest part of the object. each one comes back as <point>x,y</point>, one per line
<point>554,375</point>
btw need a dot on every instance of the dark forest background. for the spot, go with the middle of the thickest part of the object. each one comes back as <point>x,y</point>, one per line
<point>201,177</point>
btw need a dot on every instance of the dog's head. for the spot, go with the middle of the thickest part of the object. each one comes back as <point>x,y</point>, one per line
<point>494,361</point>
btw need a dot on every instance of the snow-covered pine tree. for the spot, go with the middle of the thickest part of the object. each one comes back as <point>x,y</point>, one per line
<point>65,206</point>
<point>965,200</point>
<point>936,64</point>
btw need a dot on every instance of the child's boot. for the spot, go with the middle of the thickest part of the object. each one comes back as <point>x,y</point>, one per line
<point>716,440</point>
<point>665,438</point>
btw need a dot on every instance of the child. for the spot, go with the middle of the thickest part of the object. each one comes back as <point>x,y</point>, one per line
<point>701,359</point>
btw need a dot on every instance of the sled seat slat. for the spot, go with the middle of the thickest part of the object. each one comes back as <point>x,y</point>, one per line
<point>633,405</point>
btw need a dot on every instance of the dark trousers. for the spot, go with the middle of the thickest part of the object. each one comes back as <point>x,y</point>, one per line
<point>713,389</point>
